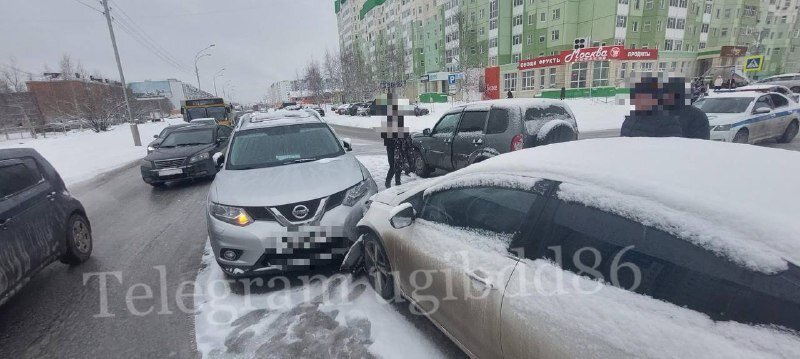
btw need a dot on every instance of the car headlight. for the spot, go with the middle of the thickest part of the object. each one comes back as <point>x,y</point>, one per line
<point>228,214</point>
<point>356,192</point>
<point>150,149</point>
<point>146,164</point>
<point>197,158</point>
<point>721,128</point>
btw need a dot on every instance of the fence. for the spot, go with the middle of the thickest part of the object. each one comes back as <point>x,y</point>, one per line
<point>46,131</point>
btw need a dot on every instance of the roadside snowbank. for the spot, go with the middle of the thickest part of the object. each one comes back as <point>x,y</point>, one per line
<point>81,155</point>
<point>592,115</point>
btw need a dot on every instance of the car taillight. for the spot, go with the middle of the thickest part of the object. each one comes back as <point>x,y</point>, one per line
<point>516,143</point>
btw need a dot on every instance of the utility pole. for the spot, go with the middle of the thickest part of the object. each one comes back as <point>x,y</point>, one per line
<point>137,140</point>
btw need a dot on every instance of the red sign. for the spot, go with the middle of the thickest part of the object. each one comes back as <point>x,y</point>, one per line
<point>492,80</point>
<point>601,53</point>
<point>641,54</point>
<point>544,61</point>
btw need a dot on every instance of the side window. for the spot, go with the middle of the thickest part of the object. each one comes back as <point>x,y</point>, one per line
<point>17,176</point>
<point>779,101</point>
<point>498,121</point>
<point>224,131</point>
<point>446,126</point>
<point>762,101</point>
<point>494,209</point>
<point>472,122</point>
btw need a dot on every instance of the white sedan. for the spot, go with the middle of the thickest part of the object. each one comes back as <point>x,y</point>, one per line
<point>750,117</point>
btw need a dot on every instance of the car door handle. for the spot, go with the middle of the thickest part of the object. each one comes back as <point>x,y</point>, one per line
<point>477,141</point>
<point>51,196</point>
<point>478,276</point>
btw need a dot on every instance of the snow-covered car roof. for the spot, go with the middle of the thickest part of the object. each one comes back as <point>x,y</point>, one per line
<point>739,94</point>
<point>759,87</point>
<point>735,200</point>
<point>278,118</point>
<point>510,103</point>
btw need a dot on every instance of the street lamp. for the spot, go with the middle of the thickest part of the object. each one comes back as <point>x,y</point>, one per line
<point>218,74</point>
<point>198,57</point>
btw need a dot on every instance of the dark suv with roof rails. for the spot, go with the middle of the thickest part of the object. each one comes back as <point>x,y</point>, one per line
<point>188,152</point>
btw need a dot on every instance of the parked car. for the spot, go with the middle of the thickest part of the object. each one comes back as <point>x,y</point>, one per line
<point>288,196</point>
<point>319,110</point>
<point>342,110</point>
<point>353,109</point>
<point>792,81</point>
<point>163,134</point>
<point>765,88</point>
<point>363,111</point>
<point>204,121</point>
<point>481,130</point>
<point>40,221</point>
<point>750,117</point>
<point>587,240</point>
<point>189,152</point>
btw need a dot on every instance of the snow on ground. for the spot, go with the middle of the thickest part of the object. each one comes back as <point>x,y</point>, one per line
<point>81,155</point>
<point>595,114</point>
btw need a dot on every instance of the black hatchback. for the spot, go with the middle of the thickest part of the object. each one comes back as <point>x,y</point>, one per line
<point>189,152</point>
<point>40,221</point>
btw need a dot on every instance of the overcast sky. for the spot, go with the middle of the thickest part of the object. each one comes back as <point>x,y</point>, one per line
<point>257,41</point>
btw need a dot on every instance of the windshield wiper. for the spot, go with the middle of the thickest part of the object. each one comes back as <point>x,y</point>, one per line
<point>301,160</point>
<point>192,144</point>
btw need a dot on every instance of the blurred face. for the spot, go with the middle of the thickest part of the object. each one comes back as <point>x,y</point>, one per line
<point>644,101</point>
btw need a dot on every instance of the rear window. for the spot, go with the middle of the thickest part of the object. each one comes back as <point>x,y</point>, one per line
<point>548,113</point>
<point>17,176</point>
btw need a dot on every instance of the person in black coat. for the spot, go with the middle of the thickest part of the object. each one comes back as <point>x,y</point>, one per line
<point>693,121</point>
<point>649,118</point>
<point>509,94</point>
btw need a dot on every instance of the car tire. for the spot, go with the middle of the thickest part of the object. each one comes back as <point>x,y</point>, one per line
<point>790,132</point>
<point>420,167</point>
<point>377,267</point>
<point>743,136</point>
<point>79,240</point>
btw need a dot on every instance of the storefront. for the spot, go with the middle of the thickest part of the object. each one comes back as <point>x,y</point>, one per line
<point>594,71</point>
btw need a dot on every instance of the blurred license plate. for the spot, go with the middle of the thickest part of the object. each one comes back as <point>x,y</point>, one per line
<point>170,172</point>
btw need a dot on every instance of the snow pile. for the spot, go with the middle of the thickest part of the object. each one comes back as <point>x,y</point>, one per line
<point>79,156</point>
<point>564,319</point>
<point>300,318</point>
<point>734,200</point>
<point>485,180</point>
<point>591,115</point>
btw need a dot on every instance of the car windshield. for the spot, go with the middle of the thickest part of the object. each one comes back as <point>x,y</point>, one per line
<point>724,104</point>
<point>281,145</point>
<point>200,136</point>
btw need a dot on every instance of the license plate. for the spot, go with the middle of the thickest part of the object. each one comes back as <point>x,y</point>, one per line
<point>170,172</point>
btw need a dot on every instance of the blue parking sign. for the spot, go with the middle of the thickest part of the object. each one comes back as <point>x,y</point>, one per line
<point>451,79</point>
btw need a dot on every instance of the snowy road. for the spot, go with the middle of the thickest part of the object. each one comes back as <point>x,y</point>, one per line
<point>141,233</point>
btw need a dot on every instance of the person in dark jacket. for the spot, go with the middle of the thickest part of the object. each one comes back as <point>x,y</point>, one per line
<point>509,94</point>
<point>649,119</point>
<point>693,121</point>
<point>563,93</point>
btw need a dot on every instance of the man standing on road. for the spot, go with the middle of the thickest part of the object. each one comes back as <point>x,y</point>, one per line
<point>394,134</point>
<point>509,94</point>
<point>649,118</point>
<point>563,93</point>
<point>693,121</point>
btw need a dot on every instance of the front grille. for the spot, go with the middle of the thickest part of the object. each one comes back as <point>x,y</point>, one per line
<point>286,210</point>
<point>335,200</point>
<point>175,162</point>
<point>260,213</point>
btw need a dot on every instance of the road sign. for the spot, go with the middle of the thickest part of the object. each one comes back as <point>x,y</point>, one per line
<point>451,79</point>
<point>754,63</point>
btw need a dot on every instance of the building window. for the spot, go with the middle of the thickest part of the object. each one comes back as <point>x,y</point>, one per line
<point>530,39</point>
<point>556,14</point>
<point>518,2</point>
<point>515,58</point>
<point>578,76</point>
<point>493,42</point>
<point>623,1</point>
<point>648,4</point>
<point>543,17</point>
<point>671,23</point>
<point>701,46</point>
<point>541,39</point>
<point>658,25</point>
<point>527,80</point>
<point>600,73</point>
<point>704,29</point>
<point>492,24</point>
<point>635,26</point>
<point>552,77</point>
<point>723,32</point>
<point>493,9</point>
<point>541,79</point>
<point>531,19</point>
<point>668,44</point>
<point>510,81</point>
<point>623,67</point>
<point>516,40</point>
<point>554,35</point>
<point>646,26</point>
<point>727,13</point>
<point>517,20</point>
<point>619,42</point>
<point>678,45</point>
<point>622,21</point>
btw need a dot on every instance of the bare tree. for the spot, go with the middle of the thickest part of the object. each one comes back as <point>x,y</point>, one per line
<point>468,60</point>
<point>67,67</point>
<point>314,82</point>
<point>12,79</point>
<point>333,70</point>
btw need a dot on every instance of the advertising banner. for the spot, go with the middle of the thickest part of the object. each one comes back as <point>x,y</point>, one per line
<point>492,79</point>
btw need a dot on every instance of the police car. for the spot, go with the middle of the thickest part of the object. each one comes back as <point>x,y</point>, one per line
<point>750,116</point>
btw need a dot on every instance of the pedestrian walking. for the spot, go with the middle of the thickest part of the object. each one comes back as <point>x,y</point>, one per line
<point>718,83</point>
<point>563,93</point>
<point>395,136</point>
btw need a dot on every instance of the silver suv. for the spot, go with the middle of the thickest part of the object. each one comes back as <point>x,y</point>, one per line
<point>792,81</point>
<point>288,196</point>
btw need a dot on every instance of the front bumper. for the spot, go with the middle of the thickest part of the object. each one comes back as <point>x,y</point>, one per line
<point>725,136</point>
<point>269,246</point>
<point>200,169</point>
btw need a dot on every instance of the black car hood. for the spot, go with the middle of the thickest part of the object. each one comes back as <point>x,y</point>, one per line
<point>177,152</point>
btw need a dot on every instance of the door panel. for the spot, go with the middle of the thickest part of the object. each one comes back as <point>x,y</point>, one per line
<point>760,128</point>
<point>442,140</point>
<point>782,115</point>
<point>469,137</point>
<point>27,214</point>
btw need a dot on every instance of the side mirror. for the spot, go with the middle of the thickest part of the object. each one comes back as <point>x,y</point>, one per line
<point>218,158</point>
<point>347,144</point>
<point>762,110</point>
<point>155,136</point>
<point>426,132</point>
<point>402,216</point>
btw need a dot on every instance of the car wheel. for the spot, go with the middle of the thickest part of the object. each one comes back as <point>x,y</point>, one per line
<point>420,167</point>
<point>790,132</point>
<point>743,136</point>
<point>376,265</point>
<point>79,240</point>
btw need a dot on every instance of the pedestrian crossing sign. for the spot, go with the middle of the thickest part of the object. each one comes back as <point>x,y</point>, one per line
<point>754,63</point>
